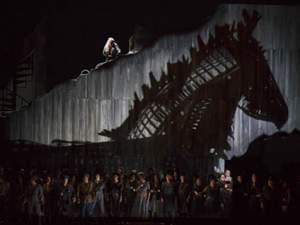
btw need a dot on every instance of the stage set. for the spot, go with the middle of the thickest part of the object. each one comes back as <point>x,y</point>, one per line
<point>194,120</point>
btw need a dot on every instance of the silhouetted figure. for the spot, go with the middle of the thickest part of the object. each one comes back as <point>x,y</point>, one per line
<point>182,196</point>
<point>239,197</point>
<point>115,196</point>
<point>4,198</point>
<point>285,197</point>
<point>196,198</point>
<point>254,196</point>
<point>85,197</point>
<point>130,192</point>
<point>18,192</point>
<point>270,198</point>
<point>169,196</point>
<point>35,200</point>
<point>50,202</point>
<point>98,203</point>
<point>211,202</point>
<point>141,203</point>
<point>141,38</point>
<point>67,195</point>
<point>225,186</point>
<point>155,199</point>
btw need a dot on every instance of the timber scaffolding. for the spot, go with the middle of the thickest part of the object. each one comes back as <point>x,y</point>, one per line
<point>10,98</point>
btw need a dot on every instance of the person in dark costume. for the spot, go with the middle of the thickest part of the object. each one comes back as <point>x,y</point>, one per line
<point>285,197</point>
<point>239,197</point>
<point>254,197</point>
<point>49,200</point>
<point>115,196</point>
<point>168,190</point>
<point>98,202</point>
<point>212,196</point>
<point>182,196</point>
<point>130,192</point>
<point>196,198</point>
<point>4,198</point>
<point>67,195</point>
<point>270,198</point>
<point>155,199</point>
<point>85,197</point>
<point>122,180</point>
<point>35,200</point>
<point>19,190</point>
<point>225,195</point>
<point>141,203</point>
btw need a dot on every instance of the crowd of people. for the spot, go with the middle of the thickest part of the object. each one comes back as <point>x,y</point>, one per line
<point>41,198</point>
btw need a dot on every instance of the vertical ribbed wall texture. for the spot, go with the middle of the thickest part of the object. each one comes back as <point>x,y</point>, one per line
<point>78,109</point>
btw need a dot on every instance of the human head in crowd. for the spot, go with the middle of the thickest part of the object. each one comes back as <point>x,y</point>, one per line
<point>34,180</point>
<point>97,178</point>
<point>116,178</point>
<point>150,171</point>
<point>270,182</point>
<point>120,170</point>
<point>253,178</point>
<point>66,180</point>
<point>222,178</point>
<point>132,177</point>
<point>169,178</point>
<point>198,181</point>
<point>182,178</point>
<point>141,176</point>
<point>48,179</point>
<point>239,179</point>
<point>212,183</point>
<point>156,180</point>
<point>86,178</point>
<point>228,177</point>
<point>175,173</point>
<point>161,175</point>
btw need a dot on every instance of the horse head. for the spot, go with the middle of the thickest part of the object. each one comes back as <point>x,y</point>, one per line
<point>260,96</point>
